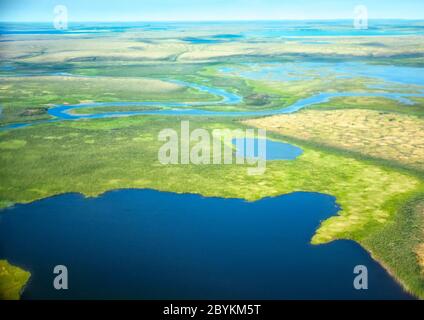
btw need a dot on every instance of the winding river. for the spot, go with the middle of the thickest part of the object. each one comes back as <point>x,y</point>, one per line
<point>160,245</point>
<point>405,77</point>
<point>181,108</point>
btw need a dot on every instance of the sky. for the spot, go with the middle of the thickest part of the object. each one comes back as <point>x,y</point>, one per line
<point>200,10</point>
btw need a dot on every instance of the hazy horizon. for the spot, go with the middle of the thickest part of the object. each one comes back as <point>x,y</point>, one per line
<point>201,21</point>
<point>208,10</point>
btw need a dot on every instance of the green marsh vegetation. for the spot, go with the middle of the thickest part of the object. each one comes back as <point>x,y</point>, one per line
<point>374,103</point>
<point>379,199</point>
<point>389,136</point>
<point>19,96</point>
<point>93,156</point>
<point>12,281</point>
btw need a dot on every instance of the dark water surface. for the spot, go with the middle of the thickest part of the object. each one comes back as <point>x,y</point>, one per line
<point>148,244</point>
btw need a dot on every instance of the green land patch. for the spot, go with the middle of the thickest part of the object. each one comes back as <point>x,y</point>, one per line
<point>374,103</point>
<point>12,281</point>
<point>94,156</point>
<point>26,99</point>
<point>379,199</point>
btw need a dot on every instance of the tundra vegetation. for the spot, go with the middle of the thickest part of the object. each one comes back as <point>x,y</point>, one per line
<point>365,151</point>
<point>12,281</point>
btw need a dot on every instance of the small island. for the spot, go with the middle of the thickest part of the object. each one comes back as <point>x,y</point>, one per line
<point>12,281</point>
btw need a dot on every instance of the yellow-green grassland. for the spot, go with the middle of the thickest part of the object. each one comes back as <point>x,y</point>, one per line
<point>366,151</point>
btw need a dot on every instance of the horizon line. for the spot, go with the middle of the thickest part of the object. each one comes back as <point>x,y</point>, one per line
<point>213,20</point>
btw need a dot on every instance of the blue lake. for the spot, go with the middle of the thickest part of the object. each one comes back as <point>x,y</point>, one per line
<point>275,150</point>
<point>320,70</point>
<point>148,244</point>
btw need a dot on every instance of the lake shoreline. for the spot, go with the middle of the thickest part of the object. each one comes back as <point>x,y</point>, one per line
<point>362,245</point>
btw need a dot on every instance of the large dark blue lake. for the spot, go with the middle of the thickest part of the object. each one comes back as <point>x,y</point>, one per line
<point>148,244</point>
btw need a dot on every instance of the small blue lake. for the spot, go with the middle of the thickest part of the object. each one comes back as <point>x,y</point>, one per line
<point>148,244</point>
<point>273,150</point>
